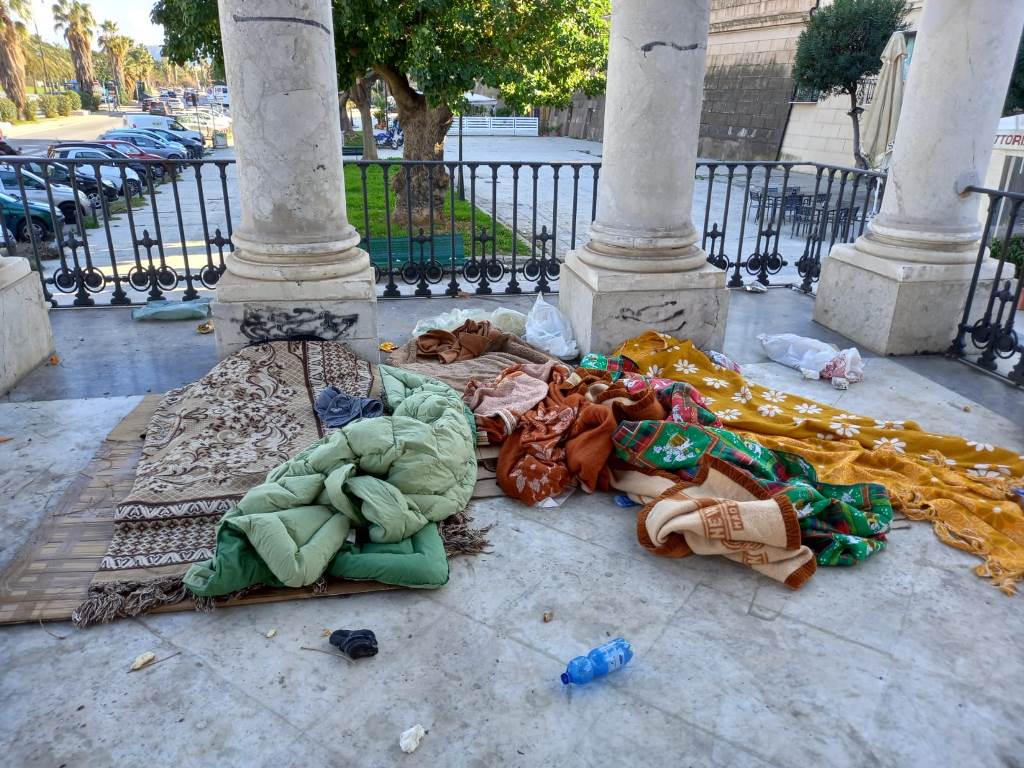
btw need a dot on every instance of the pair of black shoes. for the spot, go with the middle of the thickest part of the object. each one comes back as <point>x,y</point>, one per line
<point>354,643</point>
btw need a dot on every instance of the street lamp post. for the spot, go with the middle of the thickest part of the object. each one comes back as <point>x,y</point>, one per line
<point>462,186</point>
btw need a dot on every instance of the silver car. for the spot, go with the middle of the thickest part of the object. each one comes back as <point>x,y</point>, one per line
<point>64,198</point>
<point>147,143</point>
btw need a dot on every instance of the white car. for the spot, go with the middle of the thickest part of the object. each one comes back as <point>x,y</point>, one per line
<point>35,190</point>
<point>175,104</point>
<point>108,170</point>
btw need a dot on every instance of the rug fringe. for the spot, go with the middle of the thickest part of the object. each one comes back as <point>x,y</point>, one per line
<point>117,599</point>
<point>461,538</point>
<point>124,599</point>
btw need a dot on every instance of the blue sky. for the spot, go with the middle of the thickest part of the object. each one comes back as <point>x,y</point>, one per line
<point>132,17</point>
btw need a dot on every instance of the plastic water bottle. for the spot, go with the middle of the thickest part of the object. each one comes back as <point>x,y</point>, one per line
<point>601,661</point>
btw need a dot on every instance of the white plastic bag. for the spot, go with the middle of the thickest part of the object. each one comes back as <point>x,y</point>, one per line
<point>813,358</point>
<point>507,320</point>
<point>549,330</point>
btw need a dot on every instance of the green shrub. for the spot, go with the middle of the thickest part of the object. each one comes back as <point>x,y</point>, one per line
<point>63,104</point>
<point>504,112</point>
<point>48,104</point>
<point>29,113</point>
<point>8,110</point>
<point>87,101</point>
<point>1014,253</point>
<point>74,99</point>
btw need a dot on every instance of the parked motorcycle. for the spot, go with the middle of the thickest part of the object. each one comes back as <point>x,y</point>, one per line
<point>392,137</point>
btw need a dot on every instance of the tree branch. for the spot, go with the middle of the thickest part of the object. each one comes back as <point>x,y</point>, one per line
<point>405,95</point>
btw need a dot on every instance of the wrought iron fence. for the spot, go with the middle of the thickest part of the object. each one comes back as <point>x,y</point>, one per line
<point>504,227</point>
<point>989,333</point>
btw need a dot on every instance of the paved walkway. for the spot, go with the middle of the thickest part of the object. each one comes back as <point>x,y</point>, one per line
<point>906,660</point>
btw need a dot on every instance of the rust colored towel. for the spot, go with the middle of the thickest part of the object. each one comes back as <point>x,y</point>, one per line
<point>469,340</point>
<point>721,513</point>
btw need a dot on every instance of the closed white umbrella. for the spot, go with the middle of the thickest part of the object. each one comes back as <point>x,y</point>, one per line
<point>882,115</point>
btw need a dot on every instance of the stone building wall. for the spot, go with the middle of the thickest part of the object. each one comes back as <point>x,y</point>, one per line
<point>748,87</point>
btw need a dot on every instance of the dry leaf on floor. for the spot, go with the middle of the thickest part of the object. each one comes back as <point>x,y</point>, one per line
<point>388,346</point>
<point>967,409</point>
<point>548,616</point>
<point>271,634</point>
<point>206,327</point>
<point>54,360</point>
<point>5,439</point>
<point>325,633</point>
<point>142,660</point>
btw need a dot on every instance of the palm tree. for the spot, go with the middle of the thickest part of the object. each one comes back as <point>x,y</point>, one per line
<point>116,47</point>
<point>76,21</point>
<point>138,66</point>
<point>12,54</point>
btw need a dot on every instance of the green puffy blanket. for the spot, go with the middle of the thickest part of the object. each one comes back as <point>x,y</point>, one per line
<point>388,479</point>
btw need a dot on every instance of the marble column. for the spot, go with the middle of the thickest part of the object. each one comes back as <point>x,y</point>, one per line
<point>643,267</point>
<point>25,336</point>
<point>902,286</point>
<point>297,269</point>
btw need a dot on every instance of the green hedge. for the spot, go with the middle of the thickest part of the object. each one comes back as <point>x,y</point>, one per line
<point>75,100</point>
<point>8,110</point>
<point>63,104</point>
<point>48,104</point>
<point>29,113</point>
<point>1014,254</point>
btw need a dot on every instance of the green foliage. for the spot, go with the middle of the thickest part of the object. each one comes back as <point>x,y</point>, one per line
<point>532,52</point>
<point>191,31</point>
<point>1012,253</point>
<point>843,43</point>
<point>8,110</point>
<point>29,113</point>
<point>87,100</point>
<point>1015,95</point>
<point>48,104</point>
<point>74,99</point>
<point>63,105</point>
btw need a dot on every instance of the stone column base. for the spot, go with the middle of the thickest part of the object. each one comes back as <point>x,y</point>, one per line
<point>894,307</point>
<point>607,307</point>
<point>26,339</point>
<point>337,309</point>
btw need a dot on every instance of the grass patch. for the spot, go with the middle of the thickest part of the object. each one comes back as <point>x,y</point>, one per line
<point>379,214</point>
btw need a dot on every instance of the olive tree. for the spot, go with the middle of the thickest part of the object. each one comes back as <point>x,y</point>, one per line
<point>841,45</point>
<point>430,52</point>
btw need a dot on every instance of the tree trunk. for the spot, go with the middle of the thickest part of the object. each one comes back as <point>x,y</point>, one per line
<point>858,154</point>
<point>346,124</point>
<point>425,128</point>
<point>12,68</point>
<point>361,96</point>
<point>420,189</point>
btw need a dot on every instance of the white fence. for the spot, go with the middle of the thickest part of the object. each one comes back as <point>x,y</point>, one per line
<point>496,126</point>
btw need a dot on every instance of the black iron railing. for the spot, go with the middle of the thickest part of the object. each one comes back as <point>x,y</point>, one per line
<point>989,333</point>
<point>507,232</point>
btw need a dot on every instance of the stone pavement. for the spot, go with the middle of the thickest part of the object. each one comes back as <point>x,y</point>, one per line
<point>906,660</point>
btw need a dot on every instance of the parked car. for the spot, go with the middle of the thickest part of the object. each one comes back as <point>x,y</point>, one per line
<point>39,222</point>
<point>164,123</point>
<point>72,206</point>
<point>175,104</point>
<point>108,170</point>
<point>85,180</point>
<point>143,138</point>
<point>127,150</point>
<point>158,108</point>
<point>150,145</point>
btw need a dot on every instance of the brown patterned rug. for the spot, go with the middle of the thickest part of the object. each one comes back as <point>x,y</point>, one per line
<point>52,574</point>
<point>212,440</point>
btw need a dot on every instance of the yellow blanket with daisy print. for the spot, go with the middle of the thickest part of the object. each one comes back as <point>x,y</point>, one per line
<point>963,487</point>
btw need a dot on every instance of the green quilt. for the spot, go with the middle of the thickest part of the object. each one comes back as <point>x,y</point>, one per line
<point>361,503</point>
